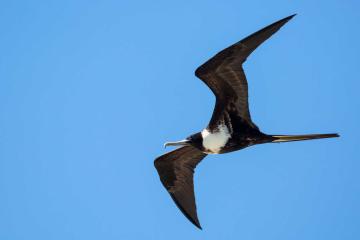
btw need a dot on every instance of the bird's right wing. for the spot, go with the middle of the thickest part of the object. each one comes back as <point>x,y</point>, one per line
<point>224,75</point>
<point>176,170</point>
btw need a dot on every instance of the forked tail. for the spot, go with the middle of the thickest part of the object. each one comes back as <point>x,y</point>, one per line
<point>290,138</point>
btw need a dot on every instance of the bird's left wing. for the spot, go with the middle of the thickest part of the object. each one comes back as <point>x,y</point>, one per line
<point>176,170</point>
<point>224,75</point>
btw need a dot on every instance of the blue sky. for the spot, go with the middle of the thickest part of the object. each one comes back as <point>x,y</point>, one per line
<point>90,91</point>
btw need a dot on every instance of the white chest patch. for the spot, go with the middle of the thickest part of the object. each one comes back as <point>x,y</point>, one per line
<point>214,141</point>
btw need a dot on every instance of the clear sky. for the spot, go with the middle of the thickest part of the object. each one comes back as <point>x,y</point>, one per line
<point>90,91</point>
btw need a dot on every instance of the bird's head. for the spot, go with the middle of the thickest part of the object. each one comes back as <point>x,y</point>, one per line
<point>194,140</point>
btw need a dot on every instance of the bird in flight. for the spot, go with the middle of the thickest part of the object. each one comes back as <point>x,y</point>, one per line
<point>230,127</point>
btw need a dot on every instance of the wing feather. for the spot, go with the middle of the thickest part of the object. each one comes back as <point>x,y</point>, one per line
<point>224,75</point>
<point>176,170</point>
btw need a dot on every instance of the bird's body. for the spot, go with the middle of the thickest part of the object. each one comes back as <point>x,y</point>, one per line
<point>214,142</point>
<point>224,139</point>
<point>230,128</point>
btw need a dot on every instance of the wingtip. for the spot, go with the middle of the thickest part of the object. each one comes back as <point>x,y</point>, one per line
<point>198,226</point>
<point>290,17</point>
<point>193,218</point>
<point>196,223</point>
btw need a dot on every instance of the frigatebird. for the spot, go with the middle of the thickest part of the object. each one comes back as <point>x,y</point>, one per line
<point>230,128</point>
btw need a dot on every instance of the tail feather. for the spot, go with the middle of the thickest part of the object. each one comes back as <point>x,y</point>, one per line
<point>290,138</point>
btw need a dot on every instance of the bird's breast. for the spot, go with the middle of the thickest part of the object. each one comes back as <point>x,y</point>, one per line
<point>214,141</point>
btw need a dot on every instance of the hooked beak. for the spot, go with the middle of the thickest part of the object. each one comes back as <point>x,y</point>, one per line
<point>184,142</point>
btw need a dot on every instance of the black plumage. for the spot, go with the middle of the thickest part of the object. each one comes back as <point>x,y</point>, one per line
<point>230,127</point>
<point>177,177</point>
